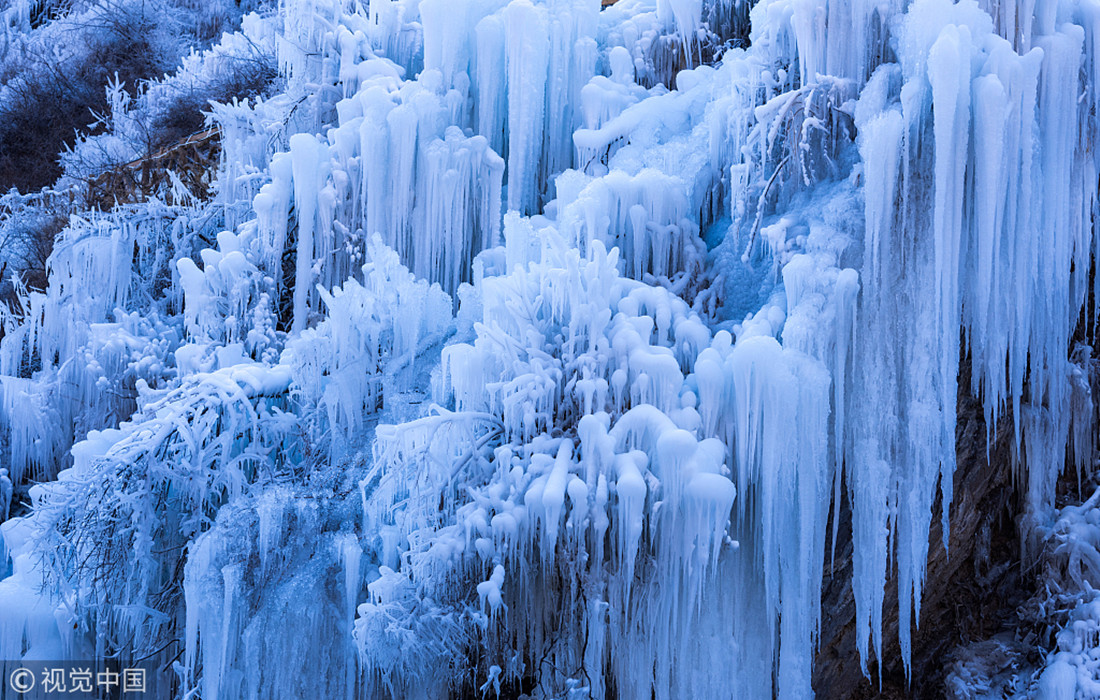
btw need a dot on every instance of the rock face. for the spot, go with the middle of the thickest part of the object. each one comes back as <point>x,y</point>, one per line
<point>972,588</point>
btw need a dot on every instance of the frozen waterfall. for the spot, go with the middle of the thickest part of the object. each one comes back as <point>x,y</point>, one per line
<point>534,346</point>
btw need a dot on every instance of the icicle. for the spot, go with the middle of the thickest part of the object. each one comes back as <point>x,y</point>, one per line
<point>306,155</point>
<point>526,60</point>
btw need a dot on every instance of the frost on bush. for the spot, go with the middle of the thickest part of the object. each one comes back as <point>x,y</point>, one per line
<point>142,119</point>
<point>57,57</point>
<point>537,390</point>
<point>344,368</point>
<point>585,469</point>
<point>110,533</point>
<point>227,304</point>
<point>85,338</point>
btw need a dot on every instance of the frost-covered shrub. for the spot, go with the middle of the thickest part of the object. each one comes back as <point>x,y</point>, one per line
<point>226,303</point>
<point>1064,612</point>
<point>694,34</point>
<point>145,118</point>
<point>409,643</point>
<point>116,523</point>
<point>82,336</point>
<point>28,227</point>
<point>54,74</point>
<point>181,111</point>
<point>574,419</point>
<point>344,368</point>
<point>801,137</point>
<point>53,85</point>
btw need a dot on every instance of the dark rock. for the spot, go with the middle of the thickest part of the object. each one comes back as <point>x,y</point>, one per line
<point>971,592</point>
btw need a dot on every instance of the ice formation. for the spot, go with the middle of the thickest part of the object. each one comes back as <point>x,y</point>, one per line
<point>530,345</point>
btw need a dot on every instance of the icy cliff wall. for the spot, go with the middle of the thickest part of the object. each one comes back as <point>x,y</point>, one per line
<point>559,375</point>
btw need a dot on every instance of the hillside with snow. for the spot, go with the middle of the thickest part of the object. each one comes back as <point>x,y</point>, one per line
<point>552,348</point>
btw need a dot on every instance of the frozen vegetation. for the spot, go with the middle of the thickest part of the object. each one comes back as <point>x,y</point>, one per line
<point>534,347</point>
